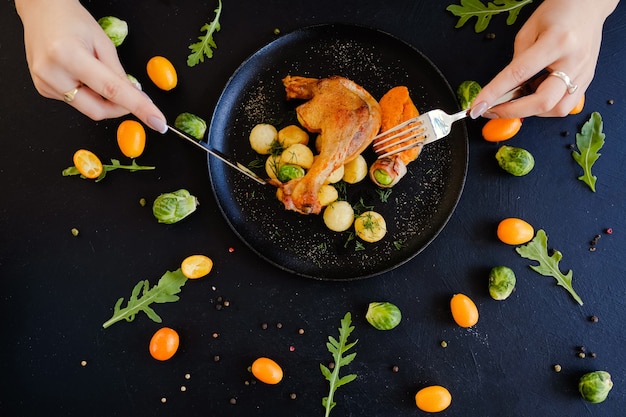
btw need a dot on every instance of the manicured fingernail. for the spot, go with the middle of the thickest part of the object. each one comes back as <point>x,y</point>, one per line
<point>157,124</point>
<point>490,115</point>
<point>478,110</point>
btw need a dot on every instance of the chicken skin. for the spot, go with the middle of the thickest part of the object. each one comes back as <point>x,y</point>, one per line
<point>346,117</point>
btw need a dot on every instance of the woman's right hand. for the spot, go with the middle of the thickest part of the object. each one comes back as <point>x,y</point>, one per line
<point>66,49</point>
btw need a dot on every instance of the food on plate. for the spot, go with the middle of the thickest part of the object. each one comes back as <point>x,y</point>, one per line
<point>370,226</point>
<point>501,282</point>
<point>336,175</point>
<point>433,399</point>
<point>142,296</point>
<point>164,344</point>
<point>355,170</point>
<point>464,311</point>
<point>595,386</point>
<point>515,161</point>
<point>131,138</point>
<point>297,154</point>
<point>346,117</point>
<point>262,138</point>
<point>537,250</point>
<point>339,216</point>
<point>289,172</point>
<point>196,266</point>
<point>87,163</point>
<point>115,28</point>
<point>206,42</point>
<point>383,315</point>
<point>172,207</point>
<point>162,73</point>
<point>396,107</point>
<point>292,134</point>
<point>339,350</point>
<point>267,371</point>
<point>499,130</point>
<point>327,194</point>
<point>191,124</point>
<point>272,166</point>
<point>514,231</point>
<point>589,142</point>
<point>467,92</point>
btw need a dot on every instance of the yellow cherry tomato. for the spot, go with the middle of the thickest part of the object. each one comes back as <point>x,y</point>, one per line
<point>196,266</point>
<point>131,138</point>
<point>433,399</point>
<point>514,231</point>
<point>162,73</point>
<point>498,130</point>
<point>464,311</point>
<point>87,163</point>
<point>267,371</point>
<point>164,344</point>
<point>579,106</point>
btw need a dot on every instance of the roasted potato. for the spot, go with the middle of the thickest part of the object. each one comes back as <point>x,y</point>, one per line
<point>291,135</point>
<point>262,138</point>
<point>297,154</point>
<point>355,170</point>
<point>370,226</point>
<point>338,216</point>
<point>327,194</point>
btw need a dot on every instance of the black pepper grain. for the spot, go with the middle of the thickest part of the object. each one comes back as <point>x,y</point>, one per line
<point>331,365</point>
<point>490,36</point>
<point>216,358</point>
<point>395,368</point>
<point>594,319</point>
<point>610,101</point>
<point>592,354</point>
<point>557,368</point>
<point>279,325</point>
<point>565,133</point>
<point>292,396</point>
<point>264,326</point>
<point>233,401</point>
<point>581,355</point>
<point>218,306</point>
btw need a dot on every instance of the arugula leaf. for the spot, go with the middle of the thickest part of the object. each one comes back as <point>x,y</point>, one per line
<point>537,250</point>
<point>337,348</point>
<point>589,141</point>
<point>206,44</point>
<point>115,164</point>
<point>164,292</point>
<point>483,14</point>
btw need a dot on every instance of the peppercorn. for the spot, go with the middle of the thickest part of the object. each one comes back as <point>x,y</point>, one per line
<point>557,368</point>
<point>611,101</point>
<point>594,319</point>
<point>292,395</point>
<point>264,326</point>
<point>233,401</point>
<point>395,368</point>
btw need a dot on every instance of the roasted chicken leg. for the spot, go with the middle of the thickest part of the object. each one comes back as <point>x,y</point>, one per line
<point>346,117</point>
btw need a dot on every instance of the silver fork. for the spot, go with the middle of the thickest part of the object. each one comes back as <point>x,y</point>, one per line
<point>436,124</point>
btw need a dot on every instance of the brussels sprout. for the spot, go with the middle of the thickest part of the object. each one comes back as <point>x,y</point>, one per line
<point>466,93</point>
<point>595,386</point>
<point>134,81</point>
<point>191,124</point>
<point>289,172</point>
<point>383,315</point>
<point>515,161</point>
<point>116,29</point>
<point>501,282</point>
<point>382,177</point>
<point>173,207</point>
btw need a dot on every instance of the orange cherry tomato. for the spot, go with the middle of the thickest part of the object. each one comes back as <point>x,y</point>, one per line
<point>164,344</point>
<point>267,371</point>
<point>514,231</point>
<point>498,130</point>
<point>579,106</point>
<point>131,138</point>
<point>433,399</point>
<point>196,266</point>
<point>162,73</point>
<point>87,163</point>
<point>464,311</point>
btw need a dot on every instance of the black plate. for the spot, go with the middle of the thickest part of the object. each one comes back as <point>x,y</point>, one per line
<point>418,207</point>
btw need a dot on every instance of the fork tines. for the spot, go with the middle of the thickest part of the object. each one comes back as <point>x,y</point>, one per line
<point>410,134</point>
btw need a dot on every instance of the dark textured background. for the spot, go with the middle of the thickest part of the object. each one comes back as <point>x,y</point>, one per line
<point>57,289</point>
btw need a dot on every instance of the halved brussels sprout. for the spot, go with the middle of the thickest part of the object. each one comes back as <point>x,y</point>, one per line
<point>383,315</point>
<point>173,207</point>
<point>289,172</point>
<point>191,124</point>
<point>595,386</point>
<point>467,92</point>
<point>116,29</point>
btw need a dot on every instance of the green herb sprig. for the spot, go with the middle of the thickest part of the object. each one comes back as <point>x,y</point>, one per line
<point>589,141</point>
<point>476,8</point>
<point>537,250</point>
<point>142,296</point>
<point>206,45</point>
<point>115,164</point>
<point>338,348</point>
